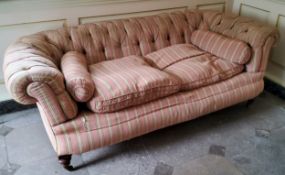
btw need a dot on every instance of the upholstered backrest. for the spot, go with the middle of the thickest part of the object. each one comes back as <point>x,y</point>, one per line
<point>116,38</point>
<point>134,36</point>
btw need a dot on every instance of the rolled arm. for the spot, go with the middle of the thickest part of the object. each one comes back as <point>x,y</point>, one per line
<point>32,62</point>
<point>259,37</point>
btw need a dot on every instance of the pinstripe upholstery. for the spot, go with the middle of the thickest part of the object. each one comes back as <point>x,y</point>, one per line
<point>170,55</point>
<point>50,104</point>
<point>32,74</point>
<point>127,82</point>
<point>203,70</point>
<point>93,130</point>
<point>253,33</point>
<point>195,68</point>
<point>77,78</point>
<point>233,50</point>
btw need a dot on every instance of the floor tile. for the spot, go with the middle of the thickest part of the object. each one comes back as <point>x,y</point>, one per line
<point>208,165</point>
<point>217,150</point>
<point>126,158</point>
<point>28,144</point>
<point>5,130</point>
<point>25,118</point>
<point>262,133</point>
<point>21,118</point>
<point>3,153</point>
<point>163,169</point>
<point>9,169</point>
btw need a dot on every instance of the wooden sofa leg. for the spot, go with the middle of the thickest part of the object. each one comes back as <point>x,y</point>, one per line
<point>65,162</point>
<point>249,102</point>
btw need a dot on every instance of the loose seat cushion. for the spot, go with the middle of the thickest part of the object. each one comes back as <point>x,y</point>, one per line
<point>77,78</point>
<point>233,50</point>
<point>172,54</point>
<point>127,82</point>
<point>203,70</point>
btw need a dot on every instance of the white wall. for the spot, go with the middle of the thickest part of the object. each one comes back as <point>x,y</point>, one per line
<point>271,12</point>
<point>23,17</point>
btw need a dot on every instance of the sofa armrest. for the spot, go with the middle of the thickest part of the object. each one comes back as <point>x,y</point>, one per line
<point>51,103</point>
<point>30,60</point>
<point>260,37</point>
<point>260,56</point>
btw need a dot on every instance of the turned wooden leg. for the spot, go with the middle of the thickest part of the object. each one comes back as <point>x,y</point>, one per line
<point>249,102</point>
<point>65,162</point>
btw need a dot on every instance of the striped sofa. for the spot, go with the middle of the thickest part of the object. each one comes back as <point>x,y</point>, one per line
<point>34,74</point>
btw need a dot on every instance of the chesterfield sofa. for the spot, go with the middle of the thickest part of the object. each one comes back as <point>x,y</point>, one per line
<point>104,83</point>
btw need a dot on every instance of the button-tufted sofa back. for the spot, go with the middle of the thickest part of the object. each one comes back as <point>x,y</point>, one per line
<point>134,36</point>
<point>114,39</point>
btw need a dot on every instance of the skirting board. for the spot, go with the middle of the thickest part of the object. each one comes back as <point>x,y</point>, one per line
<point>274,88</point>
<point>9,106</point>
<point>12,106</point>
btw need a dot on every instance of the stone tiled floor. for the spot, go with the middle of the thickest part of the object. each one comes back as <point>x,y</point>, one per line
<point>233,141</point>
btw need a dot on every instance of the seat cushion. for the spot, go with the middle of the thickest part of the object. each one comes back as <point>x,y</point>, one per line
<point>203,70</point>
<point>230,49</point>
<point>127,82</point>
<point>77,78</point>
<point>172,54</point>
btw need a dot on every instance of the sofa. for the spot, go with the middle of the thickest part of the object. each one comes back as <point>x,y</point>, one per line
<point>102,83</point>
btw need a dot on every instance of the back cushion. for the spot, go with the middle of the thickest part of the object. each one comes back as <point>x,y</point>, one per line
<point>233,50</point>
<point>170,55</point>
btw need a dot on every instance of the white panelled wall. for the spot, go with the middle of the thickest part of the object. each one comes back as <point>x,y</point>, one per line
<point>23,17</point>
<point>271,12</point>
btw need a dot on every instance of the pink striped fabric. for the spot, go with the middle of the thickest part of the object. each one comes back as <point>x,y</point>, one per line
<point>260,56</point>
<point>203,70</point>
<point>77,78</point>
<point>233,50</point>
<point>50,105</point>
<point>32,75</point>
<point>127,82</point>
<point>167,56</point>
<point>93,130</point>
<point>45,116</point>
